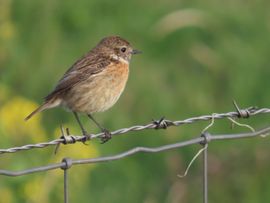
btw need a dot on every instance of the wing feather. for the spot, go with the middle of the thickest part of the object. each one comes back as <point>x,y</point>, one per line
<point>81,70</point>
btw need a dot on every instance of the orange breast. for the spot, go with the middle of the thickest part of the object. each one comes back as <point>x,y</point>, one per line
<point>100,91</point>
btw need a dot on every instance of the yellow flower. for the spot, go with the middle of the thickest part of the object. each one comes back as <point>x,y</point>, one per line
<point>12,114</point>
<point>6,195</point>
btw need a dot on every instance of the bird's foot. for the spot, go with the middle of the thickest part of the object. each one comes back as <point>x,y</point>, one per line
<point>84,133</point>
<point>106,136</point>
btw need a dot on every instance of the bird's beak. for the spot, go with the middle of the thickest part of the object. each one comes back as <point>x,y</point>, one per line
<point>135,51</point>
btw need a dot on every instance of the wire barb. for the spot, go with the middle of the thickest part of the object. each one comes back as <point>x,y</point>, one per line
<point>161,123</point>
<point>67,139</point>
<point>243,113</point>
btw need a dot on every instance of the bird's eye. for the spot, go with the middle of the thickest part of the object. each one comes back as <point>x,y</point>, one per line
<point>123,49</point>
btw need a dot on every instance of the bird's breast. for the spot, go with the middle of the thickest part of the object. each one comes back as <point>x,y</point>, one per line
<point>100,91</point>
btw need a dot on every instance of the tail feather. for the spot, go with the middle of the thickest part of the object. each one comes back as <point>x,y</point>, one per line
<point>39,109</point>
<point>46,105</point>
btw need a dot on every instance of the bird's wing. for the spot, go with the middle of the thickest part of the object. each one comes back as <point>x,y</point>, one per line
<point>88,65</point>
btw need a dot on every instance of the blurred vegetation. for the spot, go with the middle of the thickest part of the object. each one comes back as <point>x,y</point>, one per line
<point>197,57</point>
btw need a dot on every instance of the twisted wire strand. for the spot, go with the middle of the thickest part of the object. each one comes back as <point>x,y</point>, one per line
<point>204,139</point>
<point>162,123</point>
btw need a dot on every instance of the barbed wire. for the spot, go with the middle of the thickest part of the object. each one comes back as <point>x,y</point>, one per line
<point>156,124</point>
<point>204,139</point>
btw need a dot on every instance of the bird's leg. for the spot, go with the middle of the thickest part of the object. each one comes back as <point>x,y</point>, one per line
<point>107,135</point>
<point>84,132</point>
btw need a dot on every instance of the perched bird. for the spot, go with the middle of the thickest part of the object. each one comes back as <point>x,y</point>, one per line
<point>94,83</point>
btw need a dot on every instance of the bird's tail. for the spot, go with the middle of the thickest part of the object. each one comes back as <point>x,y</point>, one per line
<point>39,109</point>
<point>45,105</point>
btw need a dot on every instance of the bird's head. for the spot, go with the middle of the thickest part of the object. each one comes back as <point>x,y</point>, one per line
<point>117,48</point>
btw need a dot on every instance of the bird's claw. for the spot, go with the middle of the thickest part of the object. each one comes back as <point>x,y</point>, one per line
<point>106,136</point>
<point>84,132</point>
<point>84,140</point>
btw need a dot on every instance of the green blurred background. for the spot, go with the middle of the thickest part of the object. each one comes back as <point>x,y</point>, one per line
<point>197,57</point>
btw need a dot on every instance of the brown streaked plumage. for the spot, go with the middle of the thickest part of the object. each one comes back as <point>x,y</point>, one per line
<point>95,82</point>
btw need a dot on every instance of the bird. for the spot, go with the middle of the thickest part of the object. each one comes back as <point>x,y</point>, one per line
<point>93,83</point>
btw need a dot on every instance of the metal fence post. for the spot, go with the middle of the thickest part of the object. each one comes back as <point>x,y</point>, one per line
<point>67,164</point>
<point>65,186</point>
<point>207,138</point>
<point>205,177</point>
